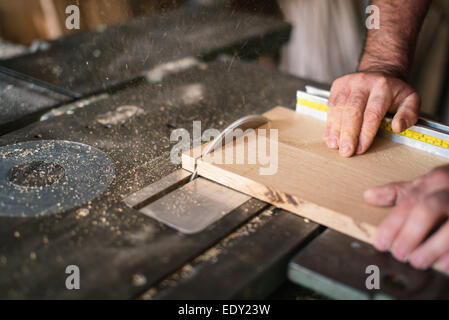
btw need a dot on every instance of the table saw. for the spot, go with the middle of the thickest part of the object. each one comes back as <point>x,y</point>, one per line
<point>115,142</point>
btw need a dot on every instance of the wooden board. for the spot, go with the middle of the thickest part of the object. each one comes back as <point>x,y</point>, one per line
<point>316,182</point>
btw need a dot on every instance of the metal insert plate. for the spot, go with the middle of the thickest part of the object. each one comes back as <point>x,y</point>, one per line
<point>192,207</point>
<point>45,177</point>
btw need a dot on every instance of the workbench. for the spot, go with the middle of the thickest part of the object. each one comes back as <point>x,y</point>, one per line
<point>123,254</point>
<point>88,63</point>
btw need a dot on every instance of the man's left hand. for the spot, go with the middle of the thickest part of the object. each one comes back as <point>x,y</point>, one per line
<point>421,207</point>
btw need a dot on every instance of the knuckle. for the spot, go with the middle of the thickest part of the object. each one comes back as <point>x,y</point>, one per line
<point>373,116</point>
<point>412,113</point>
<point>440,175</point>
<point>338,96</point>
<point>361,76</point>
<point>415,98</point>
<point>349,134</point>
<point>353,110</point>
<point>379,99</point>
<point>339,83</point>
<point>431,205</point>
<point>428,206</point>
<point>334,127</point>
<point>382,82</point>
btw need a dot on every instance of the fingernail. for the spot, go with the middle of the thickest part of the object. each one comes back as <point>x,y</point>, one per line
<point>370,193</point>
<point>419,262</point>
<point>400,254</point>
<point>383,243</point>
<point>332,143</point>
<point>371,197</point>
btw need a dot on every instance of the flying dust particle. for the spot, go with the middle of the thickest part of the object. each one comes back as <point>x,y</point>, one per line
<point>83,212</point>
<point>138,280</point>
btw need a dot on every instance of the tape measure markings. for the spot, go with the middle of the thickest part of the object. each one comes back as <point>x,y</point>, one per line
<point>386,126</point>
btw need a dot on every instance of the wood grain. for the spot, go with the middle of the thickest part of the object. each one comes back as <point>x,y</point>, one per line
<point>316,182</point>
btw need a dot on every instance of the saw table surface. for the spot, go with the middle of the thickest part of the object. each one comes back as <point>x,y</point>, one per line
<point>112,244</point>
<point>339,271</point>
<point>92,62</point>
<point>122,253</point>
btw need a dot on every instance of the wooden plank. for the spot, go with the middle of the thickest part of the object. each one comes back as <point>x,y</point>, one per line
<point>314,181</point>
<point>46,18</point>
<point>55,29</point>
<point>335,265</point>
<point>32,18</point>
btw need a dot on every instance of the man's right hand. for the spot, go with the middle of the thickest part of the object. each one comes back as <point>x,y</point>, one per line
<point>359,102</point>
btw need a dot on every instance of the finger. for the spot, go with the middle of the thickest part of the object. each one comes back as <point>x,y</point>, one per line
<point>378,103</point>
<point>383,196</point>
<point>443,263</point>
<point>326,133</point>
<point>336,103</point>
<point>437,179</point>
<point>407,113</point>
<point>392,224</point>
<point>332,99</point>
<point>334,96</point>
<point>433,250</point>
<point>351,121</point>
<point>423,217</point>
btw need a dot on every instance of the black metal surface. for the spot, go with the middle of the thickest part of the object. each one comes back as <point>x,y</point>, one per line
<point>112,244</point>
<point>250,263</point>
<point>45,177</point>
<point>342,261</point>
<point>91,62</point>
<point>9,50</point>
<point>20,101</point>
<point>39,83</point>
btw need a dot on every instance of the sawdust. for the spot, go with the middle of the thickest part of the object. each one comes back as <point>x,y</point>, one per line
<point>210,256</point>
<point>83,212</point>
<point>119,116</point>
<point>138,280</point>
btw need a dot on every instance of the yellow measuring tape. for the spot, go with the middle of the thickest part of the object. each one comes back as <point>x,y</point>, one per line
<point>418,136</point>
<point>311,104</point>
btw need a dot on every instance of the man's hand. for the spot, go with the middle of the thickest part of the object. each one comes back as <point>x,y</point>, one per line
<point>359,101</point>
<point>421,207</point>
<point>357,105</point>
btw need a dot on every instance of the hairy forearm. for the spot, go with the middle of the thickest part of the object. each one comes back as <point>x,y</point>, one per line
<point>390,49</point>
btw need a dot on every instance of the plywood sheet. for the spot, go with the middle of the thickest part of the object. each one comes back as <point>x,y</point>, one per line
<point>316,182</point>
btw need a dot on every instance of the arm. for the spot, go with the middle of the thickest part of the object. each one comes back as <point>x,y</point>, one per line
<point>391,48</point>
<point>359,101</point>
